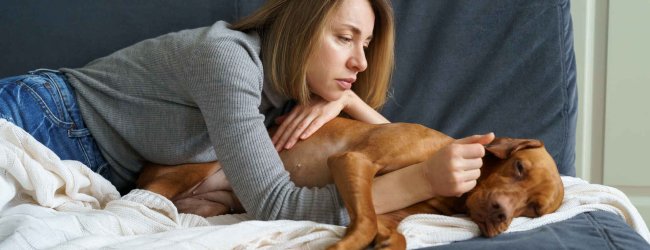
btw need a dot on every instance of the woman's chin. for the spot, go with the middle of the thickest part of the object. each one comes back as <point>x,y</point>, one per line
<point>331,96</point>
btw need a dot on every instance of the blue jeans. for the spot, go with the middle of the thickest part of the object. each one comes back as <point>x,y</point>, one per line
<point>43,104</point>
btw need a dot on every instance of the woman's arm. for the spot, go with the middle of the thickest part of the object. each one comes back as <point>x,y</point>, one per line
<point>304,120</point>
<point>359,110</point>
<point>452,171</point>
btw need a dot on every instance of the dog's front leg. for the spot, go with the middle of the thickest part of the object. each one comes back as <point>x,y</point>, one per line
<point>387,235</point>
<point>353,173</point>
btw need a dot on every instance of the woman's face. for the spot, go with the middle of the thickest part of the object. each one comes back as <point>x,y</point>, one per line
<point>334,66</point>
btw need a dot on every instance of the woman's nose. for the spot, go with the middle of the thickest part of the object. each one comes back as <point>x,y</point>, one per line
<point>357,61</point>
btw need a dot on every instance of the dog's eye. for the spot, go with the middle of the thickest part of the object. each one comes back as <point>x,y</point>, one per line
<point>519,169</point>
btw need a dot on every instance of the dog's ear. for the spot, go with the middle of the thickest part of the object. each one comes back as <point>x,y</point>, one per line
<point>503,147</point>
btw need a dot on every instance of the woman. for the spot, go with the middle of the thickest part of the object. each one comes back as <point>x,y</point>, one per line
<point>208,94</point>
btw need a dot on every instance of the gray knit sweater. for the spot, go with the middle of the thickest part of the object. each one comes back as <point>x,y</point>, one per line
<point>194,96</point>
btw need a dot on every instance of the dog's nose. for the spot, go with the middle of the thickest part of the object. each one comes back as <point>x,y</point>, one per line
<point>499,209</point>
<point>496,212</point>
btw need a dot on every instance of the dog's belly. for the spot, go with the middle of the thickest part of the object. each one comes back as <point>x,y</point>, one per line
<point>306,161</point>
<point>307,164</point>
<point>308,172</point>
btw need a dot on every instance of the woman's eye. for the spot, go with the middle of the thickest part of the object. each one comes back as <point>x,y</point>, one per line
<point>345,39</point>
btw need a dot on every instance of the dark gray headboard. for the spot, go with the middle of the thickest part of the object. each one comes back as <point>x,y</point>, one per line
<point>463,66</point>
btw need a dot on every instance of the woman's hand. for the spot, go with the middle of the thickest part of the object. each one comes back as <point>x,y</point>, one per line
<point>304,120</point>
<point>454,169</point>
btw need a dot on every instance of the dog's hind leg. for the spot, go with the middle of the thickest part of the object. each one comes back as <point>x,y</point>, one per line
<point>170,181</point>
<point>353,174</point>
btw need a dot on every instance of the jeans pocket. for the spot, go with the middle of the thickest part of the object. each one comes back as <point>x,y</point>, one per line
<point>42,103</point>
<point>48,95</point>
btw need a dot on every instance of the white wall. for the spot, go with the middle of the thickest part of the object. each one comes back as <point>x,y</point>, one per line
<point>590,41</point>
<point>612,45</point>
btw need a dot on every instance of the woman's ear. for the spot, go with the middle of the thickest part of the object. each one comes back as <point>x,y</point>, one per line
<point>503,147</point>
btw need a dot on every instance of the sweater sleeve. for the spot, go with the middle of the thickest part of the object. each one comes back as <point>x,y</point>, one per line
<point>225,80</point>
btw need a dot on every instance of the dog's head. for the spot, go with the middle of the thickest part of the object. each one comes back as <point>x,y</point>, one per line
<point>519,178</point>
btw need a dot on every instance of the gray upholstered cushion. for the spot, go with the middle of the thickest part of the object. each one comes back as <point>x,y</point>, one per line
<point>70,33</point>
<point>466,67</point>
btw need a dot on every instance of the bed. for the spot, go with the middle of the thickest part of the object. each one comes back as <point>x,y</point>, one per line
<point>462,67</point>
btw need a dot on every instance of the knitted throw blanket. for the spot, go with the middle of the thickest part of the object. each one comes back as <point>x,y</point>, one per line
<point>46,202</point>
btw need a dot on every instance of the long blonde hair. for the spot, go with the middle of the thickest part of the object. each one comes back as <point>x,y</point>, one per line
<point>290,30</point>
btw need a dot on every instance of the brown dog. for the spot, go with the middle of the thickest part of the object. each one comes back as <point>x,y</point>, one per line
<point>518,178</point>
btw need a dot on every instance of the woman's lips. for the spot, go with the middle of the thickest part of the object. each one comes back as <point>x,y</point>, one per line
<point>345,83</point>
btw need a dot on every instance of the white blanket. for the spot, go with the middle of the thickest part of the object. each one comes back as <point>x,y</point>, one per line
<point>49,203</point>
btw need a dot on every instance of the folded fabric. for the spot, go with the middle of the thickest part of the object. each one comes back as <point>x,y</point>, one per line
<point>46,202</point>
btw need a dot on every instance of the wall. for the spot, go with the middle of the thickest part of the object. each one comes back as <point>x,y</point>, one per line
<point>612,52</point>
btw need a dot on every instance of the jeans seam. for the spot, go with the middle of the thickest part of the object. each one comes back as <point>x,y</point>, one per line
<point>84,152</point>
<point>45,108</point>
<point>102,170</point>
<point>62,103</point>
